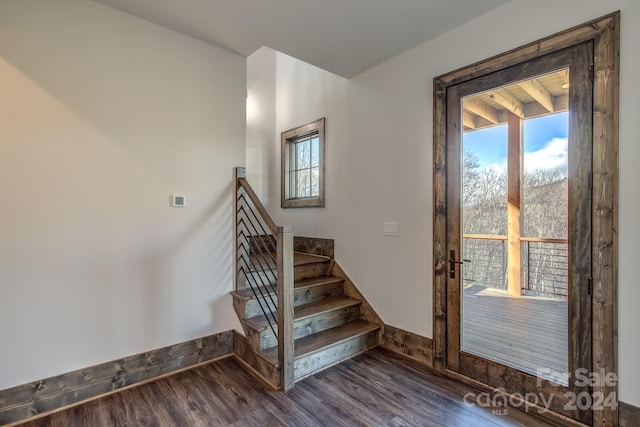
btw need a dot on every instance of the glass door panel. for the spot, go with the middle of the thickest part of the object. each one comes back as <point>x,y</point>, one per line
<point>514,183</point>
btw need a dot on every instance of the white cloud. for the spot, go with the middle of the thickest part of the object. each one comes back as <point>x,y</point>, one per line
<point>552,155</point>
<point>498,167</point>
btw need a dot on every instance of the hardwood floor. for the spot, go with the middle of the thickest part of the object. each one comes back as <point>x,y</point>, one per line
<point>377,388</point>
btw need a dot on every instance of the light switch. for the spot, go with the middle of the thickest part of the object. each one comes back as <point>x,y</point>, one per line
<point>391,229</point>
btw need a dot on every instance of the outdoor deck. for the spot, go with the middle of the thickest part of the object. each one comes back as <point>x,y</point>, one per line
<point>526,333</point>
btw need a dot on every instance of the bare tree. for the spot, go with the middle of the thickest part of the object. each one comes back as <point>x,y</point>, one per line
<point>544,213</point>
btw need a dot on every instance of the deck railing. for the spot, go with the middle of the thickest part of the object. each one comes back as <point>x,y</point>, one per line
<point>545,264</point>
<point>264,264</point>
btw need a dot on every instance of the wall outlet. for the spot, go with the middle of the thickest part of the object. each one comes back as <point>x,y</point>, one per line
<point>390,229</point>
<point>177,201</point>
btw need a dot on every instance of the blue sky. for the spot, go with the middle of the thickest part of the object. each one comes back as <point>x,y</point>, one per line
<point>544,142</point>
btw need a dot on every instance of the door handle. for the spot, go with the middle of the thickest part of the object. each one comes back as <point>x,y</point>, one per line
<point>452,264</point>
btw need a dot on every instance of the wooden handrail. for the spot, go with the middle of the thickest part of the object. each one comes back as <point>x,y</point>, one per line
<point>269,222</point>
<point>523,239</point>
<point>284,279</point>
<point>543,240</point>
<point>484,237</point>
<point>555,286</point>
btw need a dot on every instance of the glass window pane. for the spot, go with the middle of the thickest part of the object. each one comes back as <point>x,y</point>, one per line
<point>315,182</point>
<point>484,181</point>
<point>315,152</point>
<point>303,183</point>
<point>303,166</point>
<point>304,154</point>
<point>516,276</point>
<point>545,190</point>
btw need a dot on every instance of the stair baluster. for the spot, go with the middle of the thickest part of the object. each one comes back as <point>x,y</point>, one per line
<point>300,312</point>
<point>264,261</point>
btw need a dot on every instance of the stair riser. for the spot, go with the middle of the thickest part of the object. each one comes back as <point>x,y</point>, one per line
<point>307,271</point>
<point>312,325</point>
<point>261,279</point>
<point>317,293</point>
<point>314,362</point>
<point>253,307</point>
<point>262,243</point>
<point>300,272</point>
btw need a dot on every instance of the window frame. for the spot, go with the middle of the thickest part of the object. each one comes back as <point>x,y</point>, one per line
<point>294,136</point>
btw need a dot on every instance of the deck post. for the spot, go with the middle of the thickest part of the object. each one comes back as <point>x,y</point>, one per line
<point>238,172</point>
<point>514,193</point>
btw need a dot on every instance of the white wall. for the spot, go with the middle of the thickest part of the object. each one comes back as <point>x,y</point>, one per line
<point>305,93</point>
<point>379,159</point>
<point>102,117</point>
<point>261,123</point>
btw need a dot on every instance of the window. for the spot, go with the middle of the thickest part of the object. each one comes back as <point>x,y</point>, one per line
<point>303,166</point>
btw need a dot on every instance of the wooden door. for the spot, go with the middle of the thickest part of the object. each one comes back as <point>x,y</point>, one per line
<point>559,392</point>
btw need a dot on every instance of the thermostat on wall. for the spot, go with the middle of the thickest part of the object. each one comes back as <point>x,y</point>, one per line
<point>177,201</point>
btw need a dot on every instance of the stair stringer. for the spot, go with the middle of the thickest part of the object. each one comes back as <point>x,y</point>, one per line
<point>367,312</point>
<point>269,372</point>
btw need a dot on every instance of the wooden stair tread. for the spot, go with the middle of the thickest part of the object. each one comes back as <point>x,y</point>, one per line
<point>260,322</point>
<point>312,343</point>
<point>298,285</point>
<point>247,294</point>
<point>301,258</point>
<point>260,261</point>
<point>316,281</point>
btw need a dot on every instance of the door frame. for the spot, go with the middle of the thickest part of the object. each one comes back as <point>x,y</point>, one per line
<point>604,33</point>
<point>559,398</point>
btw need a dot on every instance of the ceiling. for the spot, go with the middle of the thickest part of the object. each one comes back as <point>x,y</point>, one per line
<point>543,95</point>
<point>345,37</point>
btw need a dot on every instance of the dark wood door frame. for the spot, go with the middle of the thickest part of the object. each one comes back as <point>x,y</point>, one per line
<point>604,33</point>
<point>578,59</point>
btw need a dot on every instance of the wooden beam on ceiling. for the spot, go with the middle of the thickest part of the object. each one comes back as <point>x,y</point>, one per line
<point>539,93</point>
<point>534,109</point>
<point>564,76</point>
<point>468,120</point>
<point>479,108</point>
<point>508,101</point>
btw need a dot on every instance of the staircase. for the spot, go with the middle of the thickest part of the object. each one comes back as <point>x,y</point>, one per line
<point>299,311</point>
<point>328,325</point>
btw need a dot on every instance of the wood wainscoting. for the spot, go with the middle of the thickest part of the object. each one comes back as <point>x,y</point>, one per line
<point>378,388</point>
<point>629,415</point>
<point>37,398</point>
<point>408,344</point>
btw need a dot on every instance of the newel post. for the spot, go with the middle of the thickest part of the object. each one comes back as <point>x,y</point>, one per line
<point>238,172</point>
<point>285,306</point>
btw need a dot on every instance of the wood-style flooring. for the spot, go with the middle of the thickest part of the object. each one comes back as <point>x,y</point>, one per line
<point>527,333</point>
<point>377,388</point>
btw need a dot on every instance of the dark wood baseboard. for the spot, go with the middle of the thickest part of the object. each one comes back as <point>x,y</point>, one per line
<point>265,371</point>
<point>412,345</point>
<point>44,396</point>
<point>628,415</point>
